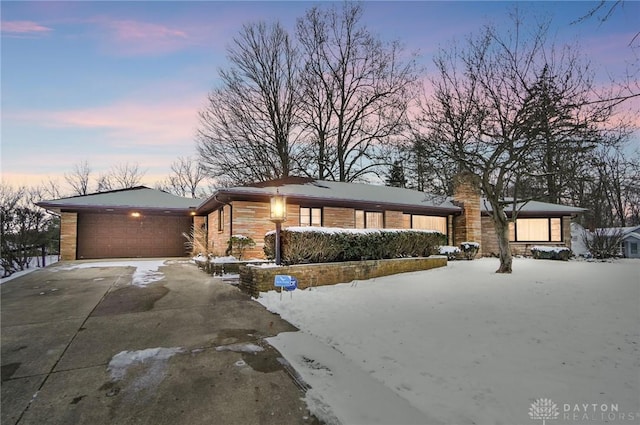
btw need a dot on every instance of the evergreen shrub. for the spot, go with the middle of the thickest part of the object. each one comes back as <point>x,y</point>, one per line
<point>301,245</point>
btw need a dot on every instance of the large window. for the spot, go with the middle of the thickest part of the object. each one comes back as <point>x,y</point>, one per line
<point>310,216</point>
<point>429,222</point>
<point>369,219</point>
<point>536,230</point>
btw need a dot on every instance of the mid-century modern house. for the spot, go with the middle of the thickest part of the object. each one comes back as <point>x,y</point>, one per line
<point>143,222</point>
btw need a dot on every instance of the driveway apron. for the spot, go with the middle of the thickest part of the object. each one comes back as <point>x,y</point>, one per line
<point>82,344</point>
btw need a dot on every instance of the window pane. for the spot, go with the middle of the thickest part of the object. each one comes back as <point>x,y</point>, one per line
<point>406,221</point>
<point>532,229</point>
<point>556,229</point>
<point>316,217</point>
<point>359,219</point>
<point>634,247</point>
<point>305,219</point>
<point>427,222</point>
<point>374,220</point>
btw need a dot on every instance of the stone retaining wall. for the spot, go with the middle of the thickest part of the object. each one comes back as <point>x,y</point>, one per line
<point>260,279</point>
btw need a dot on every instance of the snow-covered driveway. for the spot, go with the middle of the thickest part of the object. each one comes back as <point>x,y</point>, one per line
<point>463,345</point>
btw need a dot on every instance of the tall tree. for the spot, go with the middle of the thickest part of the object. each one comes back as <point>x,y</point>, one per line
<point>79,178</point>
<point>356,91</point>
<point>248,131</point>
<point>503,99</point>
<point>121,176</point>
<point>185,178</point>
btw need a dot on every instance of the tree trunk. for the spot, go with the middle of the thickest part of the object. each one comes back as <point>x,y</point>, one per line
<point>502,233</point>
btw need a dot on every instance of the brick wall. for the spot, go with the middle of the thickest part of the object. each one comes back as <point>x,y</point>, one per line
<point>217,240</point>
<point>258,279</point>
<point>468,226</point>
<point>68,235</point>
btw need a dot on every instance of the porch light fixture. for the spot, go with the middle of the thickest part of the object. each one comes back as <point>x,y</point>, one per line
<point>278,214</point>
<point>135,214</point>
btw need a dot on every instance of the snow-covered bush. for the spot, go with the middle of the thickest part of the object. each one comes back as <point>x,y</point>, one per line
<point>551,252</point>
<point>470,249</point>
<point>452,252</point>
<point>323,244</point>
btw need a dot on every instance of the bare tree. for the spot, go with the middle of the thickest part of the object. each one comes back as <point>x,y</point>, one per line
<point>185,178</point>
<point>79,178</point>
<point>356,91</point>
<point>248,131</point>
<point>121,176</point>
<point>502,100</point>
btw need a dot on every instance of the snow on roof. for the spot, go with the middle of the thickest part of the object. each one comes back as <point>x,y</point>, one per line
<point>534,207</point>
<point>625,231</point>
<point>136,197</point>
<point>338,192</point>
<point>632,235</point>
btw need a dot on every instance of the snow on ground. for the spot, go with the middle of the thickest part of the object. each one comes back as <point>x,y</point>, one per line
<point>123,360</point>
<point>146,270</point>
<point>463,345</point>
<point>34,265</point>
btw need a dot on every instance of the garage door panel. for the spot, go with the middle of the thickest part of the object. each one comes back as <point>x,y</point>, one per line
<point>120,235</point>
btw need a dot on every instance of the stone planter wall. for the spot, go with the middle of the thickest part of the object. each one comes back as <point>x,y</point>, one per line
<point>260,279</point>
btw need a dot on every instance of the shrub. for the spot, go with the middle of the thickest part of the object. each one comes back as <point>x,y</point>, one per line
<point>603,243</point>
<point>551,252</point>
<point>322,244</point>
<point>238,244</point>
<point>469,249</point>
<point>452,252</point>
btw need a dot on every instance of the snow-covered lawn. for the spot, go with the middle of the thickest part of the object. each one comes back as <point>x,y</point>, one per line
<point>463,345</point>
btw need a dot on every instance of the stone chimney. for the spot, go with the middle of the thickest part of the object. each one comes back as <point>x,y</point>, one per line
<point>466,194</point>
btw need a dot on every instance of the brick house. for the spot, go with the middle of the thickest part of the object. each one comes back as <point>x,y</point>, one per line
<point>143,222</point>
<point>463,217</point>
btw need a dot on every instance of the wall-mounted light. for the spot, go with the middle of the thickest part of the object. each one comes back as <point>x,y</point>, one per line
<point>135,214</point>
<point>192,213</point>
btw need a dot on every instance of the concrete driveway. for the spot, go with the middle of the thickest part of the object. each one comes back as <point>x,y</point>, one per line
<point>85,346</point>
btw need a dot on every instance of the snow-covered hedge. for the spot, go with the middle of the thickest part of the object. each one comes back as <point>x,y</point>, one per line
<point>551,252</point>
<point>466,251</point>
<point>325,244</point>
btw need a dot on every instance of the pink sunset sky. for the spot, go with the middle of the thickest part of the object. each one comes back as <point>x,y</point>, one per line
<point>116,82</point>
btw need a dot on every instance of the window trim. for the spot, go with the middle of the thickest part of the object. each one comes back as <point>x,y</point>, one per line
<point>549,231</point>
<point>364,213</point>
<point>310,224</point>
<point>221,219</point>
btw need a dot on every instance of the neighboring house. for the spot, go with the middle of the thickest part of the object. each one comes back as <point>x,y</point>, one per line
<point>103,225</point>
<point>630,240</point>
<point>630,243</point>
<point>128,223</point>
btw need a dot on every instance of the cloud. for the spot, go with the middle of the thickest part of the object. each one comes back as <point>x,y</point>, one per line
<point>24,29</point>
<point>131,37</point>
<point>126,122</point>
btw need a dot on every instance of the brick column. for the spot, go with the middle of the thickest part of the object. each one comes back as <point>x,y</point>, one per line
<point>467,227</point>
<point>68,235</point>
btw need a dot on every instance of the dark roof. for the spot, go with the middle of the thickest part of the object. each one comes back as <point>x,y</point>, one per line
<point>140,197</point>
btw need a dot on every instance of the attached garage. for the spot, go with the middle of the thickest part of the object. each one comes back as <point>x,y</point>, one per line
<point>111,235</point>
<point>134,223</point>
